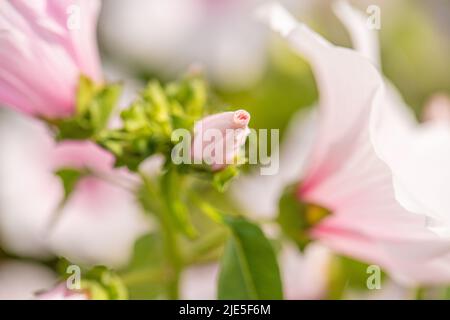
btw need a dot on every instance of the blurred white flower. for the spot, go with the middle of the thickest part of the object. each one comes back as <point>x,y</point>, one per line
<point>166,36</point>
<point>200,282</point>
<point>22,280</point>
<point>305,275</point>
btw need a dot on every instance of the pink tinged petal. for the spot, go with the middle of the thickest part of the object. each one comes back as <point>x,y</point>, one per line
<point>332,65</point>
<point>61,292</point>
<point>29,192</point>
<point>101,220</point>
<point>364,39</point>
<point>421,174</point>
<point>223,134</point>
<point>437,109</point>
<point>80,155</point>
<point>405,147</point>
<point>87,155</point>
<point>40,59</point>
<point>99,225</point>
<point>345,172</point>
<point>101,208</point>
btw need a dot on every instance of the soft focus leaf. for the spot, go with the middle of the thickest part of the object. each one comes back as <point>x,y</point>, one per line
<point>94,107</point>
<point>249,268</point>
<point>85,93</point>
<point>69,178</point>
<point>103,105</point>
<point>145,275</point>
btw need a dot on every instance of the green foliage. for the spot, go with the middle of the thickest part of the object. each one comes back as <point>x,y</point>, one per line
<point>346,273</point>
<point>296,217</point>
<point>99,282</point>
<point>104,284</point>
<point>69,178</point>
<point>249,268</point>
<point>149,121</point>
<point>145,276</point>
<point>222,178</point>
<point>171,188</point>
<point>94,107</point>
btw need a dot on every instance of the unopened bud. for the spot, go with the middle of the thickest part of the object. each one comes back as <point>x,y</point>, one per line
<point>219,137</point>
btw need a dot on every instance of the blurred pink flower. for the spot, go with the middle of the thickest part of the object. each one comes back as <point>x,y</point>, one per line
<point>60,292</point>
<point>100,220</point>
<point>352,168</point>
<point>219,137</point>
<point>44,47</point>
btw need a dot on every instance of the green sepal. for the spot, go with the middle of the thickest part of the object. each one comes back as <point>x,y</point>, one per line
<point>296,217</point>
<point>69,178</point>
<point>222,178</point>
<point>94,106</point>
<point>105,284</point>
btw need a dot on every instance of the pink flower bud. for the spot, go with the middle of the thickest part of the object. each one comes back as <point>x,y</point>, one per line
<point>45,46</point>
<point>219,137</point>
<point>61,292</point>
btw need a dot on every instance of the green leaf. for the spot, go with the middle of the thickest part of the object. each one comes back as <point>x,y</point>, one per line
<point>249,268</point>
<point>94,107</point>
<point>346,273</point>
<point>145,276</point>
<point>102,106</point>
<point>446,295</point>
<point>69,178</point>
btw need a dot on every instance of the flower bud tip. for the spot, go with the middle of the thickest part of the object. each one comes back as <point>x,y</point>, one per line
<point>241,118</point>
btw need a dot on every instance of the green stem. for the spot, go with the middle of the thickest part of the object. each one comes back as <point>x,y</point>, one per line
<point>419,293</point>
<point>211,242</point>
<point>206,208</point>
<point>172,252</point>
<point>140,276</point>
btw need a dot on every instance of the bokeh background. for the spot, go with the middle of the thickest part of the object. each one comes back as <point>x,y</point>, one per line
<point>250,67</point>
